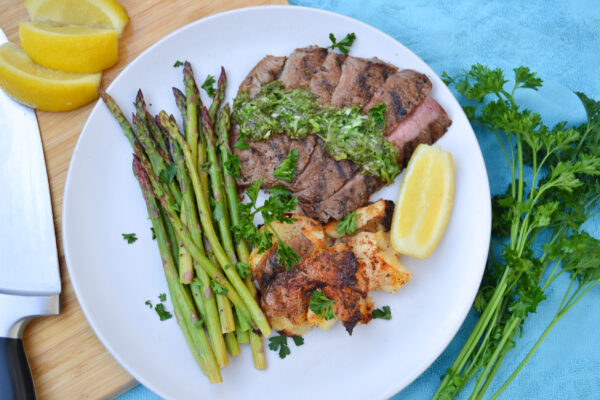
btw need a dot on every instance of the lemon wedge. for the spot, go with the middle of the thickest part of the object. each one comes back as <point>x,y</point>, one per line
<point>106,14</point>
<point>424,202</point>
<point>43,88</point>
<point>70,48</point>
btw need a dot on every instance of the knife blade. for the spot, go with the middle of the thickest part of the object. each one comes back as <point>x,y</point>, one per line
<point>29,274</point>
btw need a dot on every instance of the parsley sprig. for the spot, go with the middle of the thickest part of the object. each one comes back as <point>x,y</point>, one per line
<point>321,305</point>
<point>129,237</point>
<point>275,208</point>
<point>347,225</point>
<point>279,343</point>
<point>563,193</point>
<point>209,86</point>
<point>286,171</point>
<point>344,44</point>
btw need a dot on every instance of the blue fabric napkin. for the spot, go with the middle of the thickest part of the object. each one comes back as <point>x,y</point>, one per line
<point>561,41</point>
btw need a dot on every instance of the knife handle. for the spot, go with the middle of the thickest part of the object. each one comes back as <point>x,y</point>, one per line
<point>16,382</point>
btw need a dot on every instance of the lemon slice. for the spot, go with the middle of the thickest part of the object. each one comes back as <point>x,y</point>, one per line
<point>424,202</point>
<point>70,48</point>
<point>43,88</point>
<point>91,13</point>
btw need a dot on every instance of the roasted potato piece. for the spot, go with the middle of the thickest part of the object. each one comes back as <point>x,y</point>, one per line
<point>380,263</point>
<point>370,218</point>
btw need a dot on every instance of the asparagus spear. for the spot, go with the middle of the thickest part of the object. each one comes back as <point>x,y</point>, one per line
<point>219,95</point>
<point>155,133</point>
<point>192,105</point>
<point>187,316</point>
<point>203,207</point>
<point>223,126</point>
<point>202,292</point>
<point>232,344</point>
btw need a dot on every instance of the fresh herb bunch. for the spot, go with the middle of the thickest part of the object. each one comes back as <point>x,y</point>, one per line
<point>563,193</point>
<point>276,208</point>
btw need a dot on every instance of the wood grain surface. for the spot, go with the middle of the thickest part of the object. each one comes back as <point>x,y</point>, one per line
<point>67,360</point>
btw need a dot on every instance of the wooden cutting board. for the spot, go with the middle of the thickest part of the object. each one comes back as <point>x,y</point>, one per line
<point>67,360</point>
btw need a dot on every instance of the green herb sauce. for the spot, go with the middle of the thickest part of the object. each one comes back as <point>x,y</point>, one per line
<point>347,133</point>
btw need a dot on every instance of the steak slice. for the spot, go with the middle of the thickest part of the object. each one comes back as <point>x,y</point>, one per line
<point>322,177</point>
<point>353,194</point>
<point>261,158</point>
<point>267,70</point>
<point>360,80</point>
<point>426,124</point>
<point>323,83</point>
<point>401,93</point>
<point>301,66</point>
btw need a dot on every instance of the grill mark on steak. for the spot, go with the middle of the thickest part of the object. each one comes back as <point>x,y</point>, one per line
<point>359,80</point>
<point>301,66</point>
<point>324,82</point>
<point>402,93</point>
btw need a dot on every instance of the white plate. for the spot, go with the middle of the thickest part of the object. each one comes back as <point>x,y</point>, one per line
<point>112,279</point>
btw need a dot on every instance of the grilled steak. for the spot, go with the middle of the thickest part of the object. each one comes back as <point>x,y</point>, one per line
<point>267,70</point>
<point>402,93</point>
<point>301,66</point>
<point>360,79</point>
<point>324,82</point>
<point>329,189</point>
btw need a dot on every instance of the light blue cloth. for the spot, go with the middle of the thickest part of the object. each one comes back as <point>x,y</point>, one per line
<point>561,41</point>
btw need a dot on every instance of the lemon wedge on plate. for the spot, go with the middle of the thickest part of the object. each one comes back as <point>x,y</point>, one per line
<point>70,48</point>
<point>106,14</point>
<point>424,202</point>
<point>44,88</point>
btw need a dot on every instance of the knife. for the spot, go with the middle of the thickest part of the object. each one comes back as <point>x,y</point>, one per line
<point>29,274</point>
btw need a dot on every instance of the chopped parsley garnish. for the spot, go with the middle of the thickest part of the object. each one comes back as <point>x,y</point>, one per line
<point>148,303</point>
<point>382,313</point>
<point>162,313</point>
<point>347,224</point>
<point>167,174</point>
<point>209,86</point>
<point>242,269</point>
<point>343,44</point>
<point>279,343</point>
<point>217,287</point>
<point>378,113</point>
<point>321,305</point>
<point>347,133</point>
<point>162,297</point>
<point>130,237</point>
<point>177,64</point>
<point>287,169</point>
<point>153,233</point>
<point>232,165</point>
<point>275,208</point>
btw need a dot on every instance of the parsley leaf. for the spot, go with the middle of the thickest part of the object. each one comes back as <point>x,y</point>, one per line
<point>209,86</point>
<point>177,64</point>
<point>382,313</point>
<point>280,190</point>
<point>347,224</point>
<point>153,233</point>
<point>242,269</point>
<point>167,174</point>
<point>130,237</point>
<point>217,287</point>
<point>232,165</point>
<point>321,305</point>
<point>286,255</point>
<point>343,44</point>
<point>298,340</point>
<point>218,212</point>
<point>162,313</point>
<point>148,303</point>
<point>162,297</point>
<point>287,169</point>
<point>279,343</point>
<point>241,143</point>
